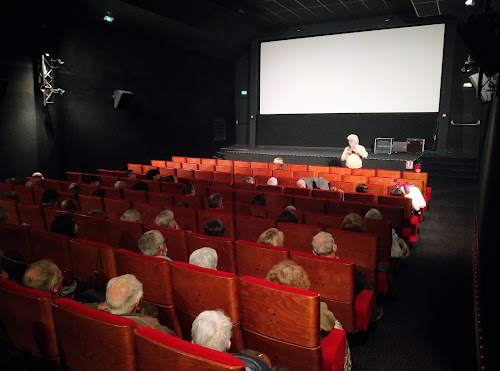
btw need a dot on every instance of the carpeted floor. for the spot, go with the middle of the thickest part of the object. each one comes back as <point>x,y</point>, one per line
<point>429,323</point>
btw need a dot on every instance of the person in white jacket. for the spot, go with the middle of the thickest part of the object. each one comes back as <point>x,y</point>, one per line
<point>354,153</point>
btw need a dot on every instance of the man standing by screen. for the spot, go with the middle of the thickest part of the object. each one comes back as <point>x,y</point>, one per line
<point>354,153</point>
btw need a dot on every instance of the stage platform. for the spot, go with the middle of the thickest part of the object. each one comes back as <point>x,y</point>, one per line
<point>316,156</point>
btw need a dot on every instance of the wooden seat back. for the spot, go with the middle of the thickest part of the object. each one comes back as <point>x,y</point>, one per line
<point>268,257</point>
<point>298,237</point>
<point>249,228</point>
<point>360,197</point>
<point>32,215</point>
<point>123,235</point>
<point>46,245</point>
<point>223,246</point>
<point>323,220</point>
<point>344,207</point>
<point>311,204</point>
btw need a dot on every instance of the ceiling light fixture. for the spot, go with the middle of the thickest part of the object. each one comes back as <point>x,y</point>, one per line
<point>468,64</point>
<point>470,2</point>
<point>108,17</point>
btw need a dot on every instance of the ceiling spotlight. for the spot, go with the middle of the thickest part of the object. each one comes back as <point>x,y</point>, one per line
<point>468,64</point>
<point>470,2</point>
<point>108,17</point>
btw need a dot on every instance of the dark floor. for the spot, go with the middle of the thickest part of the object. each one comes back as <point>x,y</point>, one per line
<point>429,323</point>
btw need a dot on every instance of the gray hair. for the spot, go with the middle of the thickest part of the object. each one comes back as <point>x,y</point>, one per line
<point>131,215</point>
<point>353,137</point>
<point>373,214</point>
<point>122,293</point>
<point>41,275</point>
<point>212,329</point>
<point>325,245</point>
<point>165,219</point>
<point>205,257</point>
<point>272,181</point>
<point>150,242</point>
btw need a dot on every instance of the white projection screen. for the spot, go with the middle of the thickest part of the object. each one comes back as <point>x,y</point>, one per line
<point>382,71</point>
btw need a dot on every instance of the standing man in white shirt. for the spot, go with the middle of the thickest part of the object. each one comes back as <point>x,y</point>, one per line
<point>354,153</point>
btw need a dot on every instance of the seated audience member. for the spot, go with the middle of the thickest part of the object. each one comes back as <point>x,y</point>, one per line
<point>188,190</point>
<point>12,181</point>
<point>323,244</point>
<point>259,200</point>
<point>273,237</point>
<point>50,197</point>
<point>354,153</point>
<point>313,183</point>
<point>97,212</point>
<point>124,297</point>
<point>37,174</point>
<point>182,204</point>
<point>214,228</point>
<point>75,188</point>
<point>3,214</point>
<point>120,184</point>
<point>45,275</point>
<point>165,219</point>
<point>129,174</point>
<point>353,222</point>
<point>65,225</point>
<point>91,179</point>
<point>247,179</point>
<point>101,192</point>
<point>70,204</point>
<point>361,188</point>
<point>140,186</point>
<point>396,192</point>
<point>281,164</point>
<point>413,192</point>
<point>170,179</point>
<point>131,215</point>
<point>152,243</point>
<point>153,174</point>
<point>272,181</point>
<point>34,182</point>
<point>204,257</point>
<point>215,201</point>
<point>287,216</point>
<point>212,329</point>
<point>399,248</point>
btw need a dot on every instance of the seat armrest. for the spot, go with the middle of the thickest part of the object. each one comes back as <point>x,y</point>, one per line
<point>363,306</point>
<point>333,350</point>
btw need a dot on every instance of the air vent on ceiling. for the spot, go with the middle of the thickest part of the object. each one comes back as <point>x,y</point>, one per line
<point>426,8</point>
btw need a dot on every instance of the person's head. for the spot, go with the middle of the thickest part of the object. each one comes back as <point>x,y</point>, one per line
<point>214,228</point>
<point>64,224</point>
<point>204,257</point>
<point>182,204</point>
<point>170,179</point>
<point>166,219</point>
<point>12,195</point>
<point>70,204</point>
<point>259,200</point>
<point>247,179</point>
<point>353,222</point>
<point>272,181</point>
<point>212,329</point>
<point>278,160</point>
<point>91,179</point>
<point>353,140</point>
<point>301,183</point>
<point>396,191</point>
<point>323,244</point>
<point>273,237</point>
<point>373,214</point>
<point>152,243</point>
<point>287,216</point>
<point>34,182</point>
<point>215,201</point>
<point>131,215</point>
<point>3,214</point>
<point>289,273</point>
<point>97,212</point>
<point>362,188</point>
<point>75,187</point>
<point>37,174</point>
<point>50,197</point>
<point>12,181</point>
<point>44,275</point>
<point>120,184</point>
<point>100,192</point>
<point>130,174</point>
<point>124,294</point>
<point>140,186</point>
<point>153,174</point>
<point>188,190</point>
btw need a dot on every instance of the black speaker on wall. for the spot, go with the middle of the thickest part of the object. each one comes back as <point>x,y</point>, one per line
<point>122,98</point>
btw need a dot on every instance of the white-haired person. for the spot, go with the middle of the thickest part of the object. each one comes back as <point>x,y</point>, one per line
<point>354,153</point>
<point>204,257</point>
<point>166,219</point>
<point>124,298</point>
<point>399,248</point>
<point>131,215</point>
<point>273,181</point>
<point>152,243</point>
<point>212,329</point>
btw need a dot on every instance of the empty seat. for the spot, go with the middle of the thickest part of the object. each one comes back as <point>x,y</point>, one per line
<point>323,220</point>
<point>78,327</point>
<point>354,178</point>
<point>323,193</point>
<point>289,333</point>
<point>340,170</point>
<point>304,174</point>
<point>193,160</point>
<point>360,197</point>
<point>91,227</point>
<point>209,161</point>
<point>87,189</point>
<point>186,173</point>
<point>115,208</point>
<point>135,195</point>
<point>377,189</point>
<point>178,159</point>
<point>296,167</point>
<point>255,211</point>
<point>313,204</point>
<point>278,173</point>
<point>344,186</point>
<point>171,187</point>
<point>158,163</point>
<point>153,185</point>
<point>155,350</point>
<point>224,162</point>
<point>387,181</point>
<point>298,237</point>
<point>112,192</point>
<point>268,256</point>
<point>249,228</point>
<point>207,167</point>
<point>5,187</point>
<point>223,246</point>
<point>331,177</point>
<point>46,245</point>
<point>287,181</point>
<point>186,218</point>
<point>163,199</point>
<point>198,289</point>
<point>295,191</point>
<point>318,169</point>
<point>24,193</point>
<point>220,183</point>
<point>88,203</point>
<point>167,171</point>
<point>388,173</point>
<point>32,215</point>
<point>136,168</point>
<point>107,180</point>
<point>365,172</point>
<point>188,166</point>
<point>53,184</point>
<point>123,235</point>
<point>15,244</point>
<point>261,179</point>
<point>278,200</point>
<point>174,165</point>
<point>239,184</point>
<point>344,207</point>
<point>176,242</point>
<point>203,174</point>
<point>270,188</point>
<point>73,176</point>
<point>245,196</point>
<point>223,169</point>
